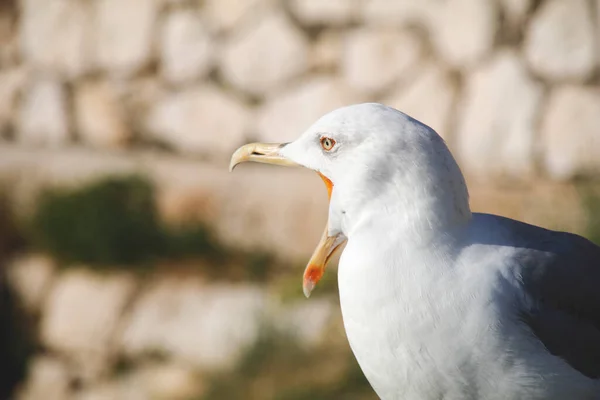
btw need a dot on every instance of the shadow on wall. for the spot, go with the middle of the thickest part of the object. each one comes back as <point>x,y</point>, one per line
<point>16,333</point>
<point>16,341</point>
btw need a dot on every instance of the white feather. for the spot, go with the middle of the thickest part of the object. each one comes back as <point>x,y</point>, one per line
<point>430,312</point>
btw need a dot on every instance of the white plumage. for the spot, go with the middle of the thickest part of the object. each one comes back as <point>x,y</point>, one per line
<point>439,302</point>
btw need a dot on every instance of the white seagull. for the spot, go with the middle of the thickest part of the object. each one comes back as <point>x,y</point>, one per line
<point>439,302</point>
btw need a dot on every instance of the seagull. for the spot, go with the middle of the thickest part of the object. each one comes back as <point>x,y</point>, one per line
<point>439,302</point>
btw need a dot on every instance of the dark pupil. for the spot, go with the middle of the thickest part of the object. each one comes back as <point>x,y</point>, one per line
<point>327,143</point>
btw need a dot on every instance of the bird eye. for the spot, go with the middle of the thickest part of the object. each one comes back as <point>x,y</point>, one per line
<point>327,143</point>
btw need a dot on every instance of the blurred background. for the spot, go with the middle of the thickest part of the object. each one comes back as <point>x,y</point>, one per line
<point>134,266</point>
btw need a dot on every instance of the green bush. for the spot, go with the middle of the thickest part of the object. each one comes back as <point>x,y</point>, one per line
<point>112,221</point>
<point>11,239</point>
<point>591,204</point>
<point>191,241</point>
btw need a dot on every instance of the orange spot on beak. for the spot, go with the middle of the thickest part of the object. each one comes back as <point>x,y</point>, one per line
<point>328,184</point>
<point>312,275</point>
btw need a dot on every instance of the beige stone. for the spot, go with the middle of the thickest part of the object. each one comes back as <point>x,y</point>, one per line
<point>570,132</point>
<point>56,36</point>
<point>284,118</point>
<point>81,315</point>
<point>207,326</point>
<point>112,390</point>
<point>326,52</point>
<point>306,321</point>
<point>495,137</point>
<point>331,12</point>
<point>429,98</point>
<point>186,48</point>
<point>9,40</point>
<point>373,60</point>
<point>597,7</point>
<point>11,85</point>
<point>30,276</point>
<point>560,42</point>
<point>140,97</point>
<point>516,11</point>
<point>124,34</point>
<point>48,379</point>
<point>229,14</point>
<point>65,166</point>
<point>463,31</point>
<point>201,120</point>
<point>398,12</point>
<point>100,119</point>
<point>265,55</point>
<point>533,204</point>
<point>43,116</point>
<point>169,381</point>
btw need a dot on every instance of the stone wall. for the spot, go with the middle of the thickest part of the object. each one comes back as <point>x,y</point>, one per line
<point>172,331</point>
<point>172,87</point>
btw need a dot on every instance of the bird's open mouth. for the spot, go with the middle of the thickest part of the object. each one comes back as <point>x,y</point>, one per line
<point>269,153</point>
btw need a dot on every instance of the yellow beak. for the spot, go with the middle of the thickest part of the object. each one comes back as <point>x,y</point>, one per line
<point>319,260</point>
<point>268,153</point>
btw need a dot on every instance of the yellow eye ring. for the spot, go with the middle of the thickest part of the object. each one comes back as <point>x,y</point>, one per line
<point>327,143</point>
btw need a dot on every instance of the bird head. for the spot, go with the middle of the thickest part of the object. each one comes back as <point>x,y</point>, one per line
<point>376,162</point>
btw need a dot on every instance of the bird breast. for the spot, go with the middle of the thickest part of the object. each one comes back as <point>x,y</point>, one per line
<point>424,328</point>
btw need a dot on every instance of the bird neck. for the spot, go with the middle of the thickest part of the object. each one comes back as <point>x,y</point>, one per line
<point>418,208</point>
<point>419,219</point>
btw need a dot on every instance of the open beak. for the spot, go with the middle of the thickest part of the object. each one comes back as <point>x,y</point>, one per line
<point>319,260</point>
<point>266,153</point>
<point>269,153</point>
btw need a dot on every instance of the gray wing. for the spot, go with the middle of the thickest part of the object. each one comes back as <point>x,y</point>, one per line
<point>562,275</point>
